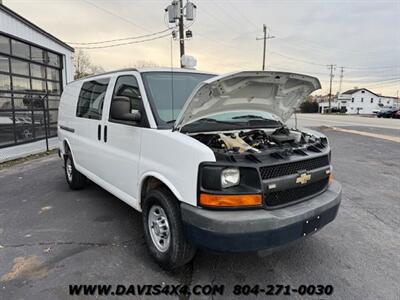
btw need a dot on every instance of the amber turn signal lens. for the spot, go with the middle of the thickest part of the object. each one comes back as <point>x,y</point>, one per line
<point>330,178</point>
<point>230,200</point>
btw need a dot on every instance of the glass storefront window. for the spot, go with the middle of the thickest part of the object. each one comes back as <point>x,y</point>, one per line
<point>22,103</point>
<point>38,71</point>
<point>4,45</point>
<point>28,101</point>
<point>20,49</point>
<point>4,64</point>
<point>38,85</point>
<point>53,116</point>
<point>53,74</point>
<point>53,87</point>
<point>40,131</point>
<point>54,59</point>
<point>38,118</point>
<point>5,95</point>
<point>37,55</point>
<point>53,104</point>
<point>5,103</point>
<point>53,130</point>
<point>27,73</point>
<point>6,128</point>
<point>20,83</point>
<point>19,67</point>
<point>5,83</point>
<point>23,126</point>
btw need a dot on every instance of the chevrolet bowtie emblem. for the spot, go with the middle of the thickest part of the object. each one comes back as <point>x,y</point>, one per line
<point>303,178</point>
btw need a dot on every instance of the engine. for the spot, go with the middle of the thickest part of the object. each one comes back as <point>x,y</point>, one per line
<point>259,141</point>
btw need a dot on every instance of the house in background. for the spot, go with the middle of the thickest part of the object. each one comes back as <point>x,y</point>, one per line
<point>323,103</point>
<point>35,66</point>
<point>359,101</point>
<point>364,101</point>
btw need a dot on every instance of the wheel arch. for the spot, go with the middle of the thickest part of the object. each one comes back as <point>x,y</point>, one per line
<point>152,180</point>
<point>67,145</point>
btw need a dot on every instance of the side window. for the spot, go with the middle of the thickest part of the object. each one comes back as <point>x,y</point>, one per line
<point>127,86</point>
<point>91,99</point>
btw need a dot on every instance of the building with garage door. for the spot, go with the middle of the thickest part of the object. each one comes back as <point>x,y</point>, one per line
<point>35,66</point>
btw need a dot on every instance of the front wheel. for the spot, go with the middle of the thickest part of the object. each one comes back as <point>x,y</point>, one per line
<point>163,230</point>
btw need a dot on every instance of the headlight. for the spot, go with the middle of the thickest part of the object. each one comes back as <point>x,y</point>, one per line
<point>230,177</point>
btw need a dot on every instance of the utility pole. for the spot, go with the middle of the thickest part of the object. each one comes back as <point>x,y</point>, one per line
<point>177,13</point>
<point>181,33</point>
<point>341,79</point>
<point>331,67</point>
<point>265,38</point>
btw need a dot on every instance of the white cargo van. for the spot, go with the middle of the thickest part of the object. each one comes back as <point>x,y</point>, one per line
<point>207,159</point>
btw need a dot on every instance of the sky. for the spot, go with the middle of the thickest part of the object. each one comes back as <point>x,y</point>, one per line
<point>361,36</point>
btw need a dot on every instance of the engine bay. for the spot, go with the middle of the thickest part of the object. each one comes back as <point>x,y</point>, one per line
<point>282,141</point>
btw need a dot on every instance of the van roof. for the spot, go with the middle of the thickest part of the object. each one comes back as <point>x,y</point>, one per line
<point>144,70</point>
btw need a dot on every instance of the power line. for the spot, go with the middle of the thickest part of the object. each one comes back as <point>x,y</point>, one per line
<point>373,68</point>
<point>326,47</point>
<point>323,65</point>
<point>373,80</point>
<point>128,43</point>
<point>218,19</point>
<point>121,39</point>
<point>297,59</point>
<point>242,15</point>
<point>115,15</point>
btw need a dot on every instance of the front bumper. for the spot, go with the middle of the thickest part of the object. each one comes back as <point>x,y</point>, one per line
<point>259,229</point>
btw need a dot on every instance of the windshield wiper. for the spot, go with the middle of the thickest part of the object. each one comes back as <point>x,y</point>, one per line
<point>252,117</point>
<point>216,121</point>
<point>170,121</point>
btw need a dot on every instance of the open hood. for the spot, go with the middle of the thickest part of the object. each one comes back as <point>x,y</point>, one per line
<point>278,93</point>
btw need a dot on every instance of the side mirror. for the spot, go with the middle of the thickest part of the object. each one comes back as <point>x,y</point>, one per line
<point>121,110</point>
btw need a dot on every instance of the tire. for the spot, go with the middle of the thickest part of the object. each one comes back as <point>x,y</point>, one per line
<point>175,251</point>
<point>75,179</point>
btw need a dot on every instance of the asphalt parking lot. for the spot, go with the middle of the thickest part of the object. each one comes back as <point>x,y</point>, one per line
<point>51,237</point>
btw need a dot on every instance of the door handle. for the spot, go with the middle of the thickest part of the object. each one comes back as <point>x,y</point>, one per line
<point>99,132</point>
<point>105,133</point>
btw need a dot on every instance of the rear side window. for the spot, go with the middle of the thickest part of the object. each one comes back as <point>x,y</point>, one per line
<point>91,99</point>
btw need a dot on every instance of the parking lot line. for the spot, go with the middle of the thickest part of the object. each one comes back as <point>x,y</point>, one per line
<point>369,134</point>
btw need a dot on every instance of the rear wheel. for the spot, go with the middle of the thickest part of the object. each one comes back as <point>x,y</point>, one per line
<point>75,179</point>
<point>163,230</point>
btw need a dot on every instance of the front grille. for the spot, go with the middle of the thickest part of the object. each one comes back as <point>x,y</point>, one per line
<point>293,167</point>
<point>290,195</point>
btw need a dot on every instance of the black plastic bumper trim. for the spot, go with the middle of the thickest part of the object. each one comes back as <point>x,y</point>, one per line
<point>253,241</point>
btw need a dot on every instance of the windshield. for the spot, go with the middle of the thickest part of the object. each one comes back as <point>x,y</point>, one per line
<point>168,92</point>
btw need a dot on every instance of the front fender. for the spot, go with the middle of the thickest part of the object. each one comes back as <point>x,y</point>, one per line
<point>161,178</point>
<point>174,159</point>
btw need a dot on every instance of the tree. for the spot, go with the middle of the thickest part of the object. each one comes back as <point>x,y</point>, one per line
<point>144,64</point>
<point>83,65</point>
<point>309,107</point>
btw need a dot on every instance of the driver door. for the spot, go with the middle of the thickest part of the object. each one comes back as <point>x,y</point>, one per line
<point>122,142</point>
